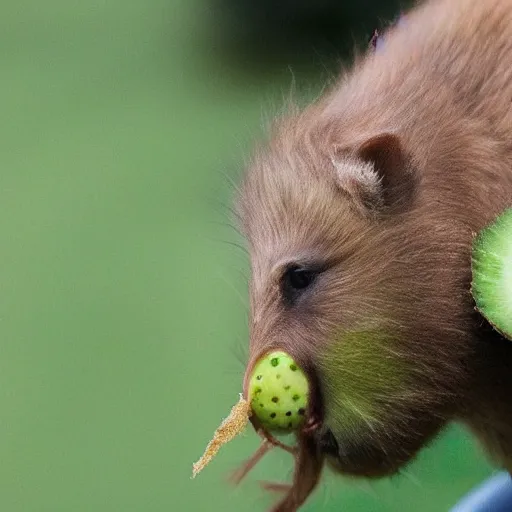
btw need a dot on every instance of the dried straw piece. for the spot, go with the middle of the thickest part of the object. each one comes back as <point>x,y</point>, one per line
<point>233,425</point>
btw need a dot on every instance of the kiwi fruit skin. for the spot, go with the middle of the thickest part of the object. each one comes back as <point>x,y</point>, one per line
<point>491,267</point>
<point>279,392</point>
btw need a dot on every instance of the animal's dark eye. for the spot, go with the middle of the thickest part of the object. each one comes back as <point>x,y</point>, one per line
<point>295,280</point>
<point>299,278</point>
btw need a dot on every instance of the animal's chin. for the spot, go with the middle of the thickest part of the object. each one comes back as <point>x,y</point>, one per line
<point>372,453</point>
<point>364,457</point>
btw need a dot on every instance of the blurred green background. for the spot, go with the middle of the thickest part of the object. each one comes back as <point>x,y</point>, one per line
<point>123,301</point>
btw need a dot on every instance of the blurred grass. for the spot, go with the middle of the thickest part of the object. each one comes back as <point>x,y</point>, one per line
<point>121,310</point>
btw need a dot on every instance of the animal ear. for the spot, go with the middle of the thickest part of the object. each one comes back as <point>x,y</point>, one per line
<point>375,172</point>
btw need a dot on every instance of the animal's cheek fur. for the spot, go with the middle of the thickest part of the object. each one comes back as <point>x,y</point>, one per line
<point>374,404</point>
<point>362,377</point>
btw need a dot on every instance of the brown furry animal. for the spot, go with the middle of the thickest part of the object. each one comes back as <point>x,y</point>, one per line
<point>359,214</point>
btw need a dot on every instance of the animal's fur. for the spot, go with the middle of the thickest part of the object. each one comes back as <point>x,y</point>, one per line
<point>383,182</point>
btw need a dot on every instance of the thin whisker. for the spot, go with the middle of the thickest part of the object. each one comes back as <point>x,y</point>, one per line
<point>234,244</point>
<point>407,474</point>
<point>238,475</point>
<point>240,353</point>
<point>243,300</point>
<point>275,487</point>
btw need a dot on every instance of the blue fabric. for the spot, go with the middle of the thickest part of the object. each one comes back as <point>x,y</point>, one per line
<point>494,495</point>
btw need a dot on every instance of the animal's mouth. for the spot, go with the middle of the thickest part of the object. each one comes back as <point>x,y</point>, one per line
<point>328,444</point>
<point>316,445</point>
